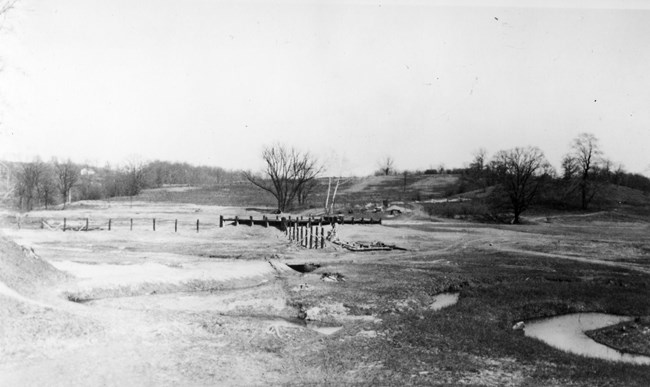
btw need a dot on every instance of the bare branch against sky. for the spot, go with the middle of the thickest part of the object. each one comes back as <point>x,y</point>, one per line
<point>210,82</point>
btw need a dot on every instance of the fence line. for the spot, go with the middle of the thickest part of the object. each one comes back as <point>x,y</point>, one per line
<point>297,224</point>
<point>306,235</point>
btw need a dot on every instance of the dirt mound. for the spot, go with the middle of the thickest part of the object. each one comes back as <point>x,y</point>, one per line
<point>22,270</point>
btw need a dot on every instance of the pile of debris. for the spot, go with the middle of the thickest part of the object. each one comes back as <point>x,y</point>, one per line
<point>366,246</point>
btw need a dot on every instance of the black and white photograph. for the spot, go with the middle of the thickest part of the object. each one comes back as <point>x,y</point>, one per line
<point>324,193</point>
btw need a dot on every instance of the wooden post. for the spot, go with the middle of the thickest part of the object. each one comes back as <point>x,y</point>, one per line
<point>266,222</point>
<point>109,225</point>
<point>197,225</point>
<point>236,221</point>
<point>154,224</point>
<point>131,229</point>
<point>352,220</point>
<point>322,238</point>
<point>86,224</point>
<point>220,221</point>
<point>42,223</point>
<point>362,220</point>
<point>311,236</point>
<point>251,221</point>
<point>64,224</point>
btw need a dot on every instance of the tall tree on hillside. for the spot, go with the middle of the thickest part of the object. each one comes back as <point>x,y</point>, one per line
<point>287,173</point>
<point>386,166</point>
<point>67,175</point>
<point>519,172</point>
<point>584,160</point>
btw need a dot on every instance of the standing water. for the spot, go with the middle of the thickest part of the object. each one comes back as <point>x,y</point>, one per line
<point>444,300</point>
<point>568,334</point>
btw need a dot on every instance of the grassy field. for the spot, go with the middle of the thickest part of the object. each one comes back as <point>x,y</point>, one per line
<point>207,308</point>
<point>352,191</point>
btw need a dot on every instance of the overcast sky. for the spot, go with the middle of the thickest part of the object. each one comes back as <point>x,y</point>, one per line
<point>212,82</point>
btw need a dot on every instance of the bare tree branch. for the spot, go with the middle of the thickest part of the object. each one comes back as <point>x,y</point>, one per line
<point>288,174</point>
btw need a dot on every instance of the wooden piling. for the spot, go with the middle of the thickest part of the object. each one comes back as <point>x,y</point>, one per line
<point>322,238</point>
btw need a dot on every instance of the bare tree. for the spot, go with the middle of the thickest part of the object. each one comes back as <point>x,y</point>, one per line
<point>46,188</point>
<point>5,6</point>
<point>287,173</point>
<point>27,182</point>
<point>386,166</point>
<point>478,166</point>
<point>518,172</point>
<point>67,175</point>
<point>583,160</point>
<point>134,177</point>
<point>480,155</point>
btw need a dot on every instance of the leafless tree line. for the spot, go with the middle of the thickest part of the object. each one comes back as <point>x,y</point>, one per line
<point>39,183</point>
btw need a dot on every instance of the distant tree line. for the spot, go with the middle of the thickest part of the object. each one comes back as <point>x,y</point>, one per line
<point>45,184</point>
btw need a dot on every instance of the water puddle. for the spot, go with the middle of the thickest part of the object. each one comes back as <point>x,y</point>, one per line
<point>444,300</point>
<point>568,334</point>
<point>324,329</point>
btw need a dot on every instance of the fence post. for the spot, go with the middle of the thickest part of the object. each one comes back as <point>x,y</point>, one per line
<point>42,223</point>
<point>109,224</point>
<point>154,224</point>
<point>311,235</point>
<point>175,225</point>
<point>236,220</point>
<point>251,221</point>
<point>131,229</point>
<point>197,225</point>
<point>64,224</point>
<point>266,222</point>
<point>220,221</point>
<point>86,224</point>
<point>322,238</point>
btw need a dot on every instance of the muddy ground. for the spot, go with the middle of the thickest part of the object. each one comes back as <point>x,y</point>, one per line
<point>220,307</point>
